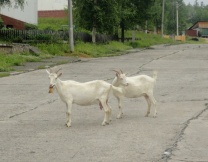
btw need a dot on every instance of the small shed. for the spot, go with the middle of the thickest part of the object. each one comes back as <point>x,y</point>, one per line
<point>16,17</point>
<point>199,29</point>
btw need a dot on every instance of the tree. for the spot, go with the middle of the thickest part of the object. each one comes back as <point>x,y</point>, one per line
<point>132,13</point>
<point>156,12</point>
<point>96,16</point>
<point>196,13</point>
<point>105,16</point>
<point>9,2</point>
<point>170,16</point>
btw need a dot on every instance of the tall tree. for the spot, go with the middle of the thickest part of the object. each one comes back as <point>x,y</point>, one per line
<point>156,15</point>
<point>196,13</point>
<point>132,13</point>
<point>9,2</point>
<point>96,15</point>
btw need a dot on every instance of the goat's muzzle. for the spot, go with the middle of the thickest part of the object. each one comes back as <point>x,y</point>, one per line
<point>51,89</point>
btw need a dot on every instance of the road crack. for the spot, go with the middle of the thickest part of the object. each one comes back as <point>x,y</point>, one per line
<point>168,152</point>
<point>23,112</point>
<point>148,62</point>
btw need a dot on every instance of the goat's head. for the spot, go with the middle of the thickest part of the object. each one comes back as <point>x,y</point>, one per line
<point>53,76</point>
<point>121,77</point>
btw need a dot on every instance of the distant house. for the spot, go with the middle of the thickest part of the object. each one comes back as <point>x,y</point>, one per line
<point>199,29</point>
<point>52,8</point>
<point>16,17</point>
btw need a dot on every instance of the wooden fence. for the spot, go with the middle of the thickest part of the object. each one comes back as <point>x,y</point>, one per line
<point>48,36</point>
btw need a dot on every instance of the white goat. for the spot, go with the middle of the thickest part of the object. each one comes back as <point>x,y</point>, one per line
<point>83,94</point>
<point>134,87</point>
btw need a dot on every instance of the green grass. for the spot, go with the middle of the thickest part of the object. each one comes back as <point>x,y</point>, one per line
<point>201,41</point>
<point>9,60</point>
<point>147,40</point>
<point>81,50</point>
<point>54,49</point>
<point>51,23</point>
<point>85,49</point>
<point>101,50</point>
<point>4,74</point>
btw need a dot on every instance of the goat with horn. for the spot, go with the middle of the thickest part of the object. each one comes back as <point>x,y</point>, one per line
<point>88,93</point>
<point>134,87</point>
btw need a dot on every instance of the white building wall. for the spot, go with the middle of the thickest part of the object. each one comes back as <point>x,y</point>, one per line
<point>28,14</point>
<point>52,5</point>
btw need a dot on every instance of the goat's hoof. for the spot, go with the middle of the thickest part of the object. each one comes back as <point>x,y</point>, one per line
<point>119,116</point>
<point>147,114</point>
<point>105,123</point>
<point>68,124</point>
<point>155,116</point>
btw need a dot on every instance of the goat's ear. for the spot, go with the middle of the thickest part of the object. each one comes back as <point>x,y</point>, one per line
<point>117,74</point>
<point>59,75</point>
<point>47,71</point>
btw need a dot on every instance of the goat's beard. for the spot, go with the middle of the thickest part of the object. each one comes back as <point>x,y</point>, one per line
<point>50,90</point>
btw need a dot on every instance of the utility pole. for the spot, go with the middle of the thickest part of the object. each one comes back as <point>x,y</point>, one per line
<point>177,18</point>
<point>162,25</point>
<point>71,35</point>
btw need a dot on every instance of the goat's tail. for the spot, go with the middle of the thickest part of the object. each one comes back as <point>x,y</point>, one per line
<point>155,75</point>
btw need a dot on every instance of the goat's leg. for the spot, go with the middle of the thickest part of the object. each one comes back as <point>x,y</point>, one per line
<point>154,102</point>
<point>119,107</point>
<point>149,105</point>
<point>106,112</point>
<point>68,113</point>
<point>110,112</point>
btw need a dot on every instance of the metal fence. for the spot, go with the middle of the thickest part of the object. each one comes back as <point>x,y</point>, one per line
<point>48,36</point>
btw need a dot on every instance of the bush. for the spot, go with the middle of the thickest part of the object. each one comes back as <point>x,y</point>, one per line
<point>30,27</point>
<point>134,44</point>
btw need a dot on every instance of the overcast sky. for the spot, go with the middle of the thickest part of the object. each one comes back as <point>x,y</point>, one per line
<point>193,1</point>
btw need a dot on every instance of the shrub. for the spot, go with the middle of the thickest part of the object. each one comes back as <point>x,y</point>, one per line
<point>30,27</point>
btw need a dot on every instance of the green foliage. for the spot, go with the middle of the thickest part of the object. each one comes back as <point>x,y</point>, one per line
<point>8,2</point>
<point>1,23</point>
<point>30,27</point>
<point>51,23</point>
<point>4,74</point>
<point>101,50</point>
<point>147,40</point>
<point>107,15</point>
<point>54,49</point>
<point>197,12</point>
<point>187,15</point>
<point>7,61</point>
<point>103,15</point>
<point>200,40</point>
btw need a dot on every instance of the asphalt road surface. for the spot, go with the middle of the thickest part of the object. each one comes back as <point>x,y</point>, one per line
<point>32,121</point>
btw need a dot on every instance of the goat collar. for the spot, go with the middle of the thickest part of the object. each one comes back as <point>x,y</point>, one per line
<point>52,85</point>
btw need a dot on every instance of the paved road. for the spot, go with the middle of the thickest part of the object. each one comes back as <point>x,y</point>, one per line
<point>32,121</point>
